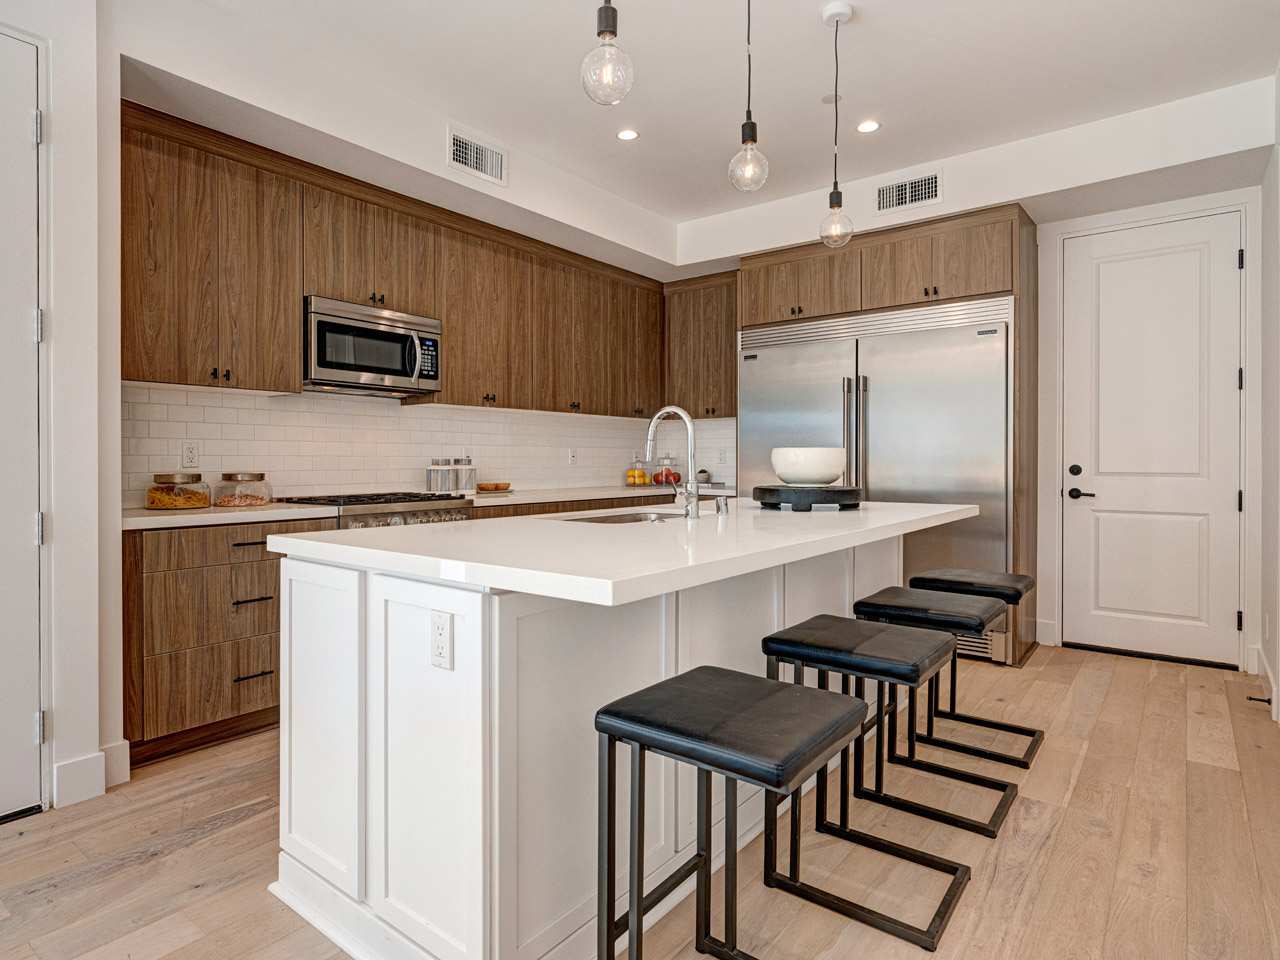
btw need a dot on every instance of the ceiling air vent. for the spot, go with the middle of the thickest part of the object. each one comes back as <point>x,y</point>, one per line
<point>906,193</point>
<point>484,160</point>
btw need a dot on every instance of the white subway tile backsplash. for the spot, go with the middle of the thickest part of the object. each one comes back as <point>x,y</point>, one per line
<point>321,444</point>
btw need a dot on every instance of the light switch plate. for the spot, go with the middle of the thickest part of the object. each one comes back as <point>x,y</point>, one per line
<point>442,639</point>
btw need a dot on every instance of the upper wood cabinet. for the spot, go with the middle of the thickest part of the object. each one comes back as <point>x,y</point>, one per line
<point>957,262</point>
<point>701,347</point>
<point>406,263</point>
<point>812,286</point>
<point>645,348</point>
<point>211,269</point>
<point>169,262</point>
<point>259,278</point>
<point>897,273</point>
<point>485,295</point>
<point>338,245</point>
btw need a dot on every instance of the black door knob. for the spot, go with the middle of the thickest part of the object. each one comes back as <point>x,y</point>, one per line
<point>1075,493</point>
<point>1075,470</point>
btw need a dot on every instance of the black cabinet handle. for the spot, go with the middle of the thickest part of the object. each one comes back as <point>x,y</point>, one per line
<point>793,311</point>
<point>382,298</point>
<point>935,291</point>
<point>1075,493</point>
<point>713,411</point>
<point>926,291</point>
<point>373,298</point>
<point>241,603</point>
<point>250,543</point>
<point>214,373</point>
<point>226,375</point>
<point>799,309</point>
<point>253,676</point>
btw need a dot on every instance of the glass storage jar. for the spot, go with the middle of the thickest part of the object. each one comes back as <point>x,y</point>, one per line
<point>177,491</point>
<point>243,490</point>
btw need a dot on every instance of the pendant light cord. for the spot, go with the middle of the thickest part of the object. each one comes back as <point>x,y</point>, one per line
<point>835,142</point>
<point>748,59</point>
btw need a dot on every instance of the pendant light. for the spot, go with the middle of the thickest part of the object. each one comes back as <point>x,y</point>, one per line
<point>836,228</point>
<point>748,169</point>
<point>606,70</point>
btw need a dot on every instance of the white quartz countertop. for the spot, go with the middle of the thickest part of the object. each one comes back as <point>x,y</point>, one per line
<point>613,564</point>
<point>560,494</point>
<point>140,518</point>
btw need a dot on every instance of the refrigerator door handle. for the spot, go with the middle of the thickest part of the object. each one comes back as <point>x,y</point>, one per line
<point>861,476</point>
<point>846,397</point>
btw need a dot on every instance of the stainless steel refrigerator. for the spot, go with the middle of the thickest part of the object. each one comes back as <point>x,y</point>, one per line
<point>921,400</point>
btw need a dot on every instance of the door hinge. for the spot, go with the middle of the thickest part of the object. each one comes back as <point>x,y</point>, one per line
<point>40,529</point>
<point>1240,380</point>
<point>42,726</point>
<point>1239,619</point>
<point>39,325</point>
<point>38,129</point>
<point>1240,501</point>
<point>1240,259</point>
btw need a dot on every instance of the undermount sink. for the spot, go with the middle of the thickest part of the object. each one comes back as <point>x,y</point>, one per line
<point>627,518</point>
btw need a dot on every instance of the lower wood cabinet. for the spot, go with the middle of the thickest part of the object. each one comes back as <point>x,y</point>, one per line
<point>201,623</point>
<point>568,506</point>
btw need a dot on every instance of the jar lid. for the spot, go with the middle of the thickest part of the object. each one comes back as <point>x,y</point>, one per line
<point>257,477</point>
<point>176,477</point>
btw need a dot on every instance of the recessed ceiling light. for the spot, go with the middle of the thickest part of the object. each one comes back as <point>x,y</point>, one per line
<point>627,134</point>
<point>868,126</point>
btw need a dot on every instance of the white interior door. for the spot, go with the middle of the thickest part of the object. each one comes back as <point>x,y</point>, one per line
<point>1151,439</point>
<point>19,431</point>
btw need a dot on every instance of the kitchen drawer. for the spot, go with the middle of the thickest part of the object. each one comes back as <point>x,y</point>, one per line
<point>190,688</point>
<point>184,548</point>
<point>206,605</point>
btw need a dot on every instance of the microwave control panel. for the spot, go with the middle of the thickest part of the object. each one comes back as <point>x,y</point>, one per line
<point>430,358</point>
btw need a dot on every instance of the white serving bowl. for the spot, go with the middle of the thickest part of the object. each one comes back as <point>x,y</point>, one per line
<point>808,466</point>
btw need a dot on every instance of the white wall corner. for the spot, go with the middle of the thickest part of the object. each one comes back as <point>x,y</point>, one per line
<point>117,762</point>
<point>81,779</point>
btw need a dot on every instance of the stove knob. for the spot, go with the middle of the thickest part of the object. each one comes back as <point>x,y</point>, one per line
<point>377,523</point>
<point>396,521</point>
<point>355,525</point>
<point>417,518</point>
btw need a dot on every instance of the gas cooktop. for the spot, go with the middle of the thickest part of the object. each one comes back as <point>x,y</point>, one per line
<point>373,499</point>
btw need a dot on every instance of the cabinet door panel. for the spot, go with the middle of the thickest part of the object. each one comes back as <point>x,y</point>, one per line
<point>913,270</point>
<point>769,293</point>
<point>338,246</point>
<point>814,294</point>
<point>646,351</point>
<point>243,600</point>
<point>619,395</point>
<point>461,286</point>
<point>683,349</point>
<point>974,260</point>
<point>175,610</point>
<point>190,688</point>
<point>259,278</point>
<point>509,328</point>
<point>877,276</point>
<point>590,336</point>
<point>169,262</point>
<point>406,269</point>
<point>718,359</point>
<point>845,279</point>
<point>553,334</point>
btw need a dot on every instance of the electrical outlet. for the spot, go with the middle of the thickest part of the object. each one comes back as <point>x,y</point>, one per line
<point>720,455</point>
<point>442,639</point>
<point>190,454</point>
<point>573,455</point>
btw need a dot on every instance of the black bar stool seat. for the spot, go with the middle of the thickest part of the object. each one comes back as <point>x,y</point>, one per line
<point>960,614</point>
<point>1009,587</point>
<point>969,616</point>
<point>744,728</point>
<point>890,655</point>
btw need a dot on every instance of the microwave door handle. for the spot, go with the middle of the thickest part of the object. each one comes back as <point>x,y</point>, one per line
<point>416,349</point>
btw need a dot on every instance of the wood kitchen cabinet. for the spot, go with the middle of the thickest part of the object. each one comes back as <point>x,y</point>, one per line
<point>801,289</point>
<point>701,345</point>
<point>406,263</point>
<point>645,349</point>
<point>957,262</point>
<point>201,624</point>
<point>339,246</point>
<point>169,262</point>
<point>260,283</point>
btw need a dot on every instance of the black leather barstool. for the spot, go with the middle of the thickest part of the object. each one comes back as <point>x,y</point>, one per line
<point>961,615</point>
<point>745,728</point>
<point>1017,590</point>
<point>891,656</point>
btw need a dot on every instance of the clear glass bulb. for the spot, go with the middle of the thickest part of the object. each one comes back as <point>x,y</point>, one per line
<point>748,169</point>
<point>607,73</point>
<point>835,229</point>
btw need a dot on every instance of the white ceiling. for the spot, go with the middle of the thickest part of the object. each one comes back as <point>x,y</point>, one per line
<point>943,76</point>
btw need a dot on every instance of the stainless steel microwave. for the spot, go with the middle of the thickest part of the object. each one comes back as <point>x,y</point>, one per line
<point>354,348</point>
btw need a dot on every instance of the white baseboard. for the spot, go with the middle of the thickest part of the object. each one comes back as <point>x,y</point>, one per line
<point>117,762</point>
<point>1268,681</point>
<point>79,779</point>
<point>1047,633</point>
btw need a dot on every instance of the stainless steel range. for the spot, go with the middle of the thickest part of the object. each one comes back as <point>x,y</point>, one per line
<point>392,509</point>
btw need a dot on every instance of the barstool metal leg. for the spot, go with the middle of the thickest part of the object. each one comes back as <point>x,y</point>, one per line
<point>607,857</point>
<point>730,863</point>
<point>635,880</point>
<point>703,921</point>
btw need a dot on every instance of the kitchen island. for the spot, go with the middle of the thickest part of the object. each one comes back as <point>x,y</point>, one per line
<point>438,690</point>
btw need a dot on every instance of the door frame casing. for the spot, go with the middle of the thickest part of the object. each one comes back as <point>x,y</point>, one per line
<point>1053,236</point>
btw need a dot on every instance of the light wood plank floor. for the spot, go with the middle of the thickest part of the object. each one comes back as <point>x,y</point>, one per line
<point>1148,827</point>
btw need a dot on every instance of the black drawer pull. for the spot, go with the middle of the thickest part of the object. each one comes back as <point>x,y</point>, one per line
<point>253,676</point>
<point>251,543</point>
<point>241,603</point>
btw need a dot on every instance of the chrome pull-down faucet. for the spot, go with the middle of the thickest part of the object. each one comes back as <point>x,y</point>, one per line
<point>691,485</point>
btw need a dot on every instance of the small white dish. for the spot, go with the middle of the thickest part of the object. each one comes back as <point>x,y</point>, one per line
<point>808,466</point>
